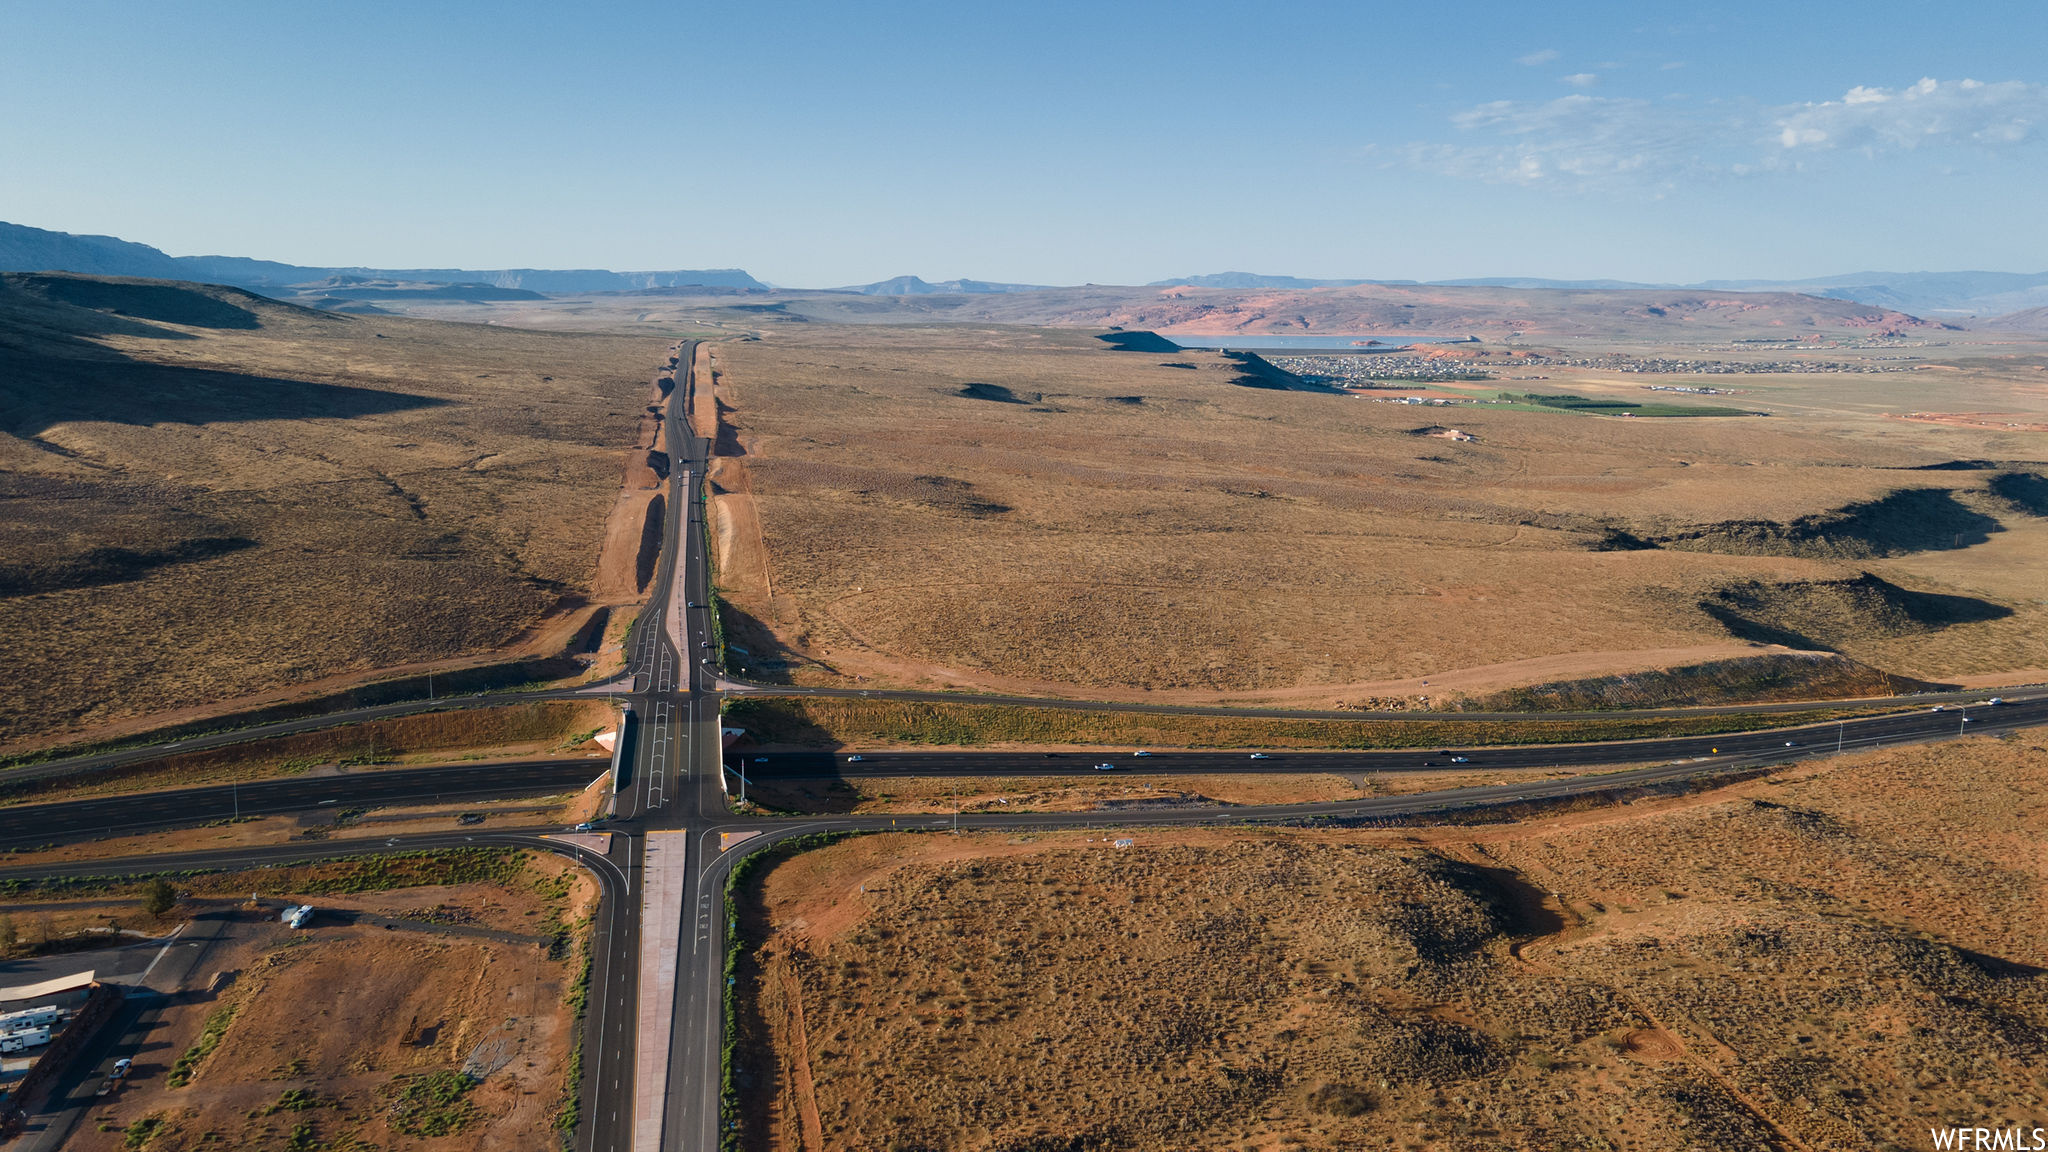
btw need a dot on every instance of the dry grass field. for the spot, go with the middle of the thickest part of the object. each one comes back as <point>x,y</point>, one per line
<point>350,1034</point>
<point>1835,957</point>
<point>211,496</point>
<point>559,729</point>
<point>920,490</point>
<point>1030,510</point>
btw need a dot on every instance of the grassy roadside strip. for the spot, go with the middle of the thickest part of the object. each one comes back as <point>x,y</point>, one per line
<point>831,722</point>
<point>737,949</point>
<point>483,680</point>
<point>309,876</point>
<point>209,1039</point>
<point>569,1115</point>
<point>564,724</point>
<point>713,602</point>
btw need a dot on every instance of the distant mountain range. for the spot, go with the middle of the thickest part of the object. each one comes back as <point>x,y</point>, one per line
<point>912,286</point>
<point>1946,295</point>
<point>1246,280</point>
<point>25,249</point>
<point>1943,294</point>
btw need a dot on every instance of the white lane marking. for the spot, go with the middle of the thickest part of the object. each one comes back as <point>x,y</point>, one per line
<point>168,941</point>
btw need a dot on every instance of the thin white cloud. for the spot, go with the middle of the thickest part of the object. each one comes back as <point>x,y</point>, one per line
<point>1581,79</point>
<point>1573,140</point>
<point>1541,56</point>
<point>1587,141</point>
<point>1928,113</point>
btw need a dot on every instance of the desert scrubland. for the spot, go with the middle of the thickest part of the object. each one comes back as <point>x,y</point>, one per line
<point>1032,510</point>
<point>1837,956</point>
<point>211,496</point>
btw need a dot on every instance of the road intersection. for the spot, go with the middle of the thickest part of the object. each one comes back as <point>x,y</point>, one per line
<point>656,1012</point>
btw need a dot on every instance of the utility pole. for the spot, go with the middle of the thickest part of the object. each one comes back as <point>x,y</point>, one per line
<point>235,790</point>
<point>1838,736</point>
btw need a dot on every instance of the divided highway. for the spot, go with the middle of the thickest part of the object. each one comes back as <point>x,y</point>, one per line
<point>69,820</point>
<point>660,947</point>
<point>1787,743</point>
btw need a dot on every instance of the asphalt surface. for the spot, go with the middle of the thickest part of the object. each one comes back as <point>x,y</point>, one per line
<point>732,685</point>
<point>699,808</point>
<point>699,800</point>
<point>1923,724</point>
<point>71,820</point>
<point>165,966</point>
<point>120,757</point>
<point>673,778</point>
<point>740,686</point>
<point>608,1019</point>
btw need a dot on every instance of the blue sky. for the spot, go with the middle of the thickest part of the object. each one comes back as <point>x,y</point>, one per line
<point>818,144</point>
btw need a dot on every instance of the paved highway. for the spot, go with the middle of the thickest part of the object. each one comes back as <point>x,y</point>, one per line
<point>698,811</point>
<point>71,820</point>
<point>671,789</point>
<point>733,685</point>
<point>701,802</point>
<point>1922,724</point>
<point>729,685</point>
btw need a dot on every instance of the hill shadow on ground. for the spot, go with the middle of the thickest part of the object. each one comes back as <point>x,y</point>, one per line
<point>39,392</point>
<point>207,306</point>
<point>54,370</point>
<point>1826,614</point>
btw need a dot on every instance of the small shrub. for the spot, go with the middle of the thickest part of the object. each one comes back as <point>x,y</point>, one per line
<point>1341,1100</point>
<point>140,1133</point>
<point>436,1104</point>
<point>159,897</point>
<point>295,1100</point>
<point>209,1039</point>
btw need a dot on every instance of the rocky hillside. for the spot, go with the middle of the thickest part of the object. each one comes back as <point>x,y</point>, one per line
<point>2025,320</point>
